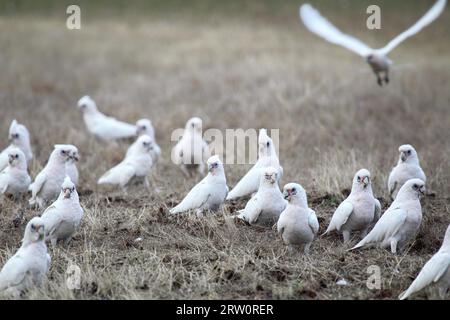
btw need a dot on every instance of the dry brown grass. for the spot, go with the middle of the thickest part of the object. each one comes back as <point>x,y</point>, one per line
<point>234,73</point>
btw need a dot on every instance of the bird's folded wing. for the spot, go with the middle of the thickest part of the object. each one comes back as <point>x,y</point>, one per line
<point>38,183</point>
<point>51,219</point>
<point>428,18</point>
<point>341,215</point>
<point>252,210</point>
<point>313,222</point>
<point>323,28</point>
<point>196,198</point>
<point>247,185</point>
<point>387,226</point>
<point>14,271</point>
<point>3,181</point>
<point>377,213</point>
<point>431,272</point>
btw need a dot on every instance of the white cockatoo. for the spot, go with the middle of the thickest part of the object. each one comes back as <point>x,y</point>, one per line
<point>265,207</point>
<point>298,224</point>
<point>102,126</point>
<point>435,274</point>
<point>134,168</point>
<point>63,217</point>
<point>19,138</point>
<point>400,223</point>
<point>377,58</point>
<point>359,210</point>
<point>267,157</point>
<point>14,179</point>
<point>29,266</point>
<point>191,151</point>
<point>47,184</point>
<point>408,167</point>
<point>208,194</point>
<point>144,127</point>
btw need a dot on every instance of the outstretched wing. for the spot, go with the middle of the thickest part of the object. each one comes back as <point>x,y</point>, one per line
<point>428,18</point>
<point>323,28</point>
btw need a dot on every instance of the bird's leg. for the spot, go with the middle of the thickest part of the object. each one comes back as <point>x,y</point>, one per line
<point>147,183</point>
<point>346,235</point>
<point>394,246</point>
<point>54,242</point>
<point>364,233</point>
<point>386,76</point>
<point>306,249</point>
<point>379,80</point>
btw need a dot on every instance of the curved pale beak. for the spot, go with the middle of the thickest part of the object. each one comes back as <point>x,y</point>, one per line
<point>287,194</point>
<point>10,159</point>
<point>66,193</point>
<point>403,156</point>
<point>366,181</point>
<point>422,190</point>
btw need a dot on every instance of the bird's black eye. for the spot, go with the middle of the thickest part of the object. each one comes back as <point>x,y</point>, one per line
<point>415,186</point>
<point>268,143</point>
<point>409,152</point>
<point>33,227</point>
<point>17,156</point>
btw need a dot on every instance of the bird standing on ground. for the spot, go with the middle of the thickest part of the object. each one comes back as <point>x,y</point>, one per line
<point>19,138</point>
<point>29,266</point>
<point>191,151</point>
<point>63,217</point>
<point>144,127</point>
<point>408,167</point>
<point>435,274</point>
<point>208,194</point>
<point>134,168</point>
<point>102,126</point>
<point>47,184</point>
<point>376,58</point>
<point>265,207</point>
<point>358,211</point>
<point>14,179</point>
<point>298,224</point>
<point>267,157</point>
<point>399,225</point>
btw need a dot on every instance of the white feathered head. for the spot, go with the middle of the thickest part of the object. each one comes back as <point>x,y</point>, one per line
<point>214,164</point>
<point>34,231</point>
<point>411,190</point>
<point>408,154</point>
<point>18,134</point>
<point>86,104</point>
<point>194,125</point>
<point>16,158</point>
<point>265,143</point>
<point>68,188</point>
<point>361,180</point>
<point>295,194</point>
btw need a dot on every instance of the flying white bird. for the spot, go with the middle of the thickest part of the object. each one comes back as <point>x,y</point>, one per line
<point>63,217</point>
<point>358,211</point>
<point>101,126</point>
<point>14,179</point>
<point>134,168</point>
<point>267,157</point>
<point>265,207</point>
<point>408,167</point>
<point>208,194</point>
<point>191,151</point>
<point>19,138</point>
<point>144,127</point>
<point>376,58</point>
<point>298,224</point>
<point>435,274</point>
<point>29,266</point>
<point>401,221</point>
<point>47,184</point>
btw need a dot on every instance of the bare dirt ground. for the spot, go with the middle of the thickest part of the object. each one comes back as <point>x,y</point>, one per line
<point>253,69</point>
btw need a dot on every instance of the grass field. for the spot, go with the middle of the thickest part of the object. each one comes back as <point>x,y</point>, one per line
<point>235,65</point>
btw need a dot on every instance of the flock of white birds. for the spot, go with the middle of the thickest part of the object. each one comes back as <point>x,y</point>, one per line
<point>54,188</point>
